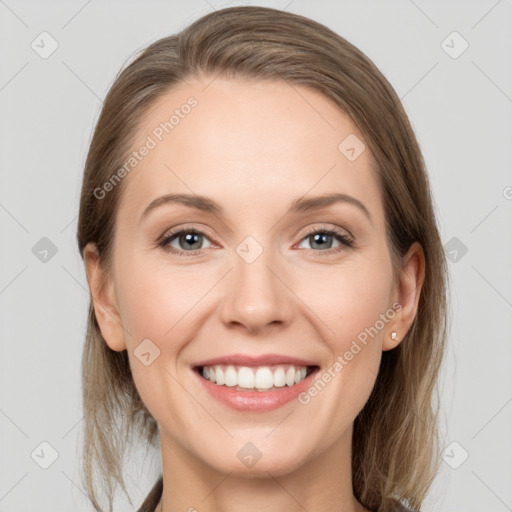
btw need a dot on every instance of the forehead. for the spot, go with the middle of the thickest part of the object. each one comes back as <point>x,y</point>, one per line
<point>248,143</point>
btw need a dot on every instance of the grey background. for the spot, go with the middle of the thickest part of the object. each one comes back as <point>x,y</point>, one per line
<point>461,111</point>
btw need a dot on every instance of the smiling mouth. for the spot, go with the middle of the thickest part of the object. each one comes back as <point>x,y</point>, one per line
<point>256,378</point>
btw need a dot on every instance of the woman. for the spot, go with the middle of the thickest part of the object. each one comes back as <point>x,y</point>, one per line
<point>267,278</point>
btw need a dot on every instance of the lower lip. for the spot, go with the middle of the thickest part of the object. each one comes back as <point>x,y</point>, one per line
<point>255,401</point>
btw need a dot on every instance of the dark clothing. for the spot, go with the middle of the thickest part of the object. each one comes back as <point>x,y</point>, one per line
<point>153,497</point>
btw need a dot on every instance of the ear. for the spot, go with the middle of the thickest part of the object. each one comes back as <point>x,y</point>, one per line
<point>101,287</point>
<point>410,283</point>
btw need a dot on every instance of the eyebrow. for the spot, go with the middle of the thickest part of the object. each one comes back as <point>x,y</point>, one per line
<point>299,205</point>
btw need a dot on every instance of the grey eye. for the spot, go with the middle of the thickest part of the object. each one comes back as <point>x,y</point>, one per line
<point>321,240</point>
<point>187,240</point>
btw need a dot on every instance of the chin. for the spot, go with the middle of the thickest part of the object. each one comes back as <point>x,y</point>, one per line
<point>251,462</point>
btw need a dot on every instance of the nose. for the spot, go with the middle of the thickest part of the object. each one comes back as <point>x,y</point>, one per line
<point>256,296</point>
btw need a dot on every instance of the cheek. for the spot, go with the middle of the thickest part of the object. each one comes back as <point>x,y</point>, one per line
<point>155,298</point>
<point>349,299</point>
<point>353,305</point>
<point>157,303</point>
<point>352,301</point>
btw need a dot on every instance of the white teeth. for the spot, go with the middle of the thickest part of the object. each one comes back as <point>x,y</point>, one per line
<point>260,378</point>
<point>290,376</point>
<point>279,377</point>
<point>264,378</point>
<point>230,377</point>
<point>219,376</point>
<point>245,377</point>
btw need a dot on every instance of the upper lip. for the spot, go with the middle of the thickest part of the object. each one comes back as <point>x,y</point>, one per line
<point>262,360</point>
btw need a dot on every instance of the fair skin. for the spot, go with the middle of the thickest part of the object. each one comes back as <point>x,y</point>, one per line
<point>253,148</point>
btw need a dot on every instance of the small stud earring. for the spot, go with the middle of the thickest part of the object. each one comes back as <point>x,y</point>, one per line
<point>394,336</point>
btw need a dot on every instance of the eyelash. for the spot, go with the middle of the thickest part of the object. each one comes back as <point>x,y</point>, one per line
<point>343,238</point>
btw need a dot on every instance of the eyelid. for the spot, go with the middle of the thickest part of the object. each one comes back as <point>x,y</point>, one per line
<point>328,228</point>
<point>163,242</point>
<point>347,239</point>
<point>189,228</point>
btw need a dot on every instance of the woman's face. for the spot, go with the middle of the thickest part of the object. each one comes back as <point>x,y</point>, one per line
<point>263,268</point>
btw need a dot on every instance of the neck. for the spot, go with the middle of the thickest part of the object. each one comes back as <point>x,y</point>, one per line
<point>324,484</point>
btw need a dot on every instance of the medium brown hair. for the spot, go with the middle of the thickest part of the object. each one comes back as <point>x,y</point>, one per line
<point>395,438</point>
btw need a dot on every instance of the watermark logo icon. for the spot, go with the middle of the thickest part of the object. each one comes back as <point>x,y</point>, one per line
<point>249,455</point>
<point>455,455</point>
<point>146,352</point>
<point>351,147</point>
<point>454,45</point>
<point>455,249</point>
<point>44,45</point>
<point>44,455</point>
<point>44,250</point>
<point>249,249</point>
